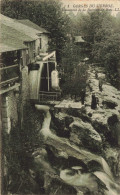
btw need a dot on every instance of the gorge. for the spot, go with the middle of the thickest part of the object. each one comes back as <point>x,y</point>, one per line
<point>77,155</point>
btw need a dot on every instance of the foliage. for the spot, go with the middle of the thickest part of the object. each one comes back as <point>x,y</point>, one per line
<point>70,57</point>
<point>75,73</point>
<point>77,83</point>
<point>47,14</point>
<point>109,53</point>
<point>18,149</point>
<point>101,31</point>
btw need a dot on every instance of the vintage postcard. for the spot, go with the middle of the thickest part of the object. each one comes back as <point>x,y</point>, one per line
<point>60,97</point>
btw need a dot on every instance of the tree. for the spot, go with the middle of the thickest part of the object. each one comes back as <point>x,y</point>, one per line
<point>18,148</point>
<point>101,31</point>
<point>108,53</point>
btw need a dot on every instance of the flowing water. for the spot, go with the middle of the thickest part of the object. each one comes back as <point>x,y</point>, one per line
<point>112,187</point>
<point>78,179</point>
<point>106,168</point>
<point>47,119</point>
<point>35,82</point>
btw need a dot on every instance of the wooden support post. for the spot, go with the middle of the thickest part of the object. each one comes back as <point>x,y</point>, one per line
<point>55,60</point>
<point>48,77</point>
<point>55,65</point>
<point>1,152</point>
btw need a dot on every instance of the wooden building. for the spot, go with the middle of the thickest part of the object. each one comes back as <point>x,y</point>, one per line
<point>22,45</point>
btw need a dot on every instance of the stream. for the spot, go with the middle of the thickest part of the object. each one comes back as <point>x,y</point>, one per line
<point>74,176</point>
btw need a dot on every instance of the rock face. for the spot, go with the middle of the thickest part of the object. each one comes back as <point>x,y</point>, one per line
<point>72,160</point>
<point>109,106</point>
<point>62,122</point>
<point>86,134</point>
<point>100,118</point>
<point>113,156</point>
<point>46,176</point>
<point>79,132</point>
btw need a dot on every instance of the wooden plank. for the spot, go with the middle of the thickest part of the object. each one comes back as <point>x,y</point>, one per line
<point>7,67</point>
<point>2,91</point>
<point>7,81</point>
<point>48,77</point>
<point>48,56</point>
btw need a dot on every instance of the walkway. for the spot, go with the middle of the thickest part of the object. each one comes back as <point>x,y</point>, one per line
<point>69,104</point>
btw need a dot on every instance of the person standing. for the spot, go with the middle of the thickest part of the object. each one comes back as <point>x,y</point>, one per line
<point>97,100</point>
<point>83,96</point>
<point>96,75</point>
<point>100,84</point>
<point>94,101</point>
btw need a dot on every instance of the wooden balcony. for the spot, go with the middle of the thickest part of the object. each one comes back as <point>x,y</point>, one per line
<point>9,75</point>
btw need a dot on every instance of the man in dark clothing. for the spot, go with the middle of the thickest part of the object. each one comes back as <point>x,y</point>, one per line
<point>94,102</point>
<point>82,96</point>
<point>96,75</point>
<point>100,84</point>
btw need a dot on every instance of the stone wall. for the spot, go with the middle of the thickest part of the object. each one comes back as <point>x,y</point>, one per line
<point>9,111</point>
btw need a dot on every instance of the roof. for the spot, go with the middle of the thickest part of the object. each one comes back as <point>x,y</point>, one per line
<point>11,39</point>
<point>6,48</point>
<point>79,39</point>
<point>26,30</point>
<point>14,33</point>
<point>33,25</point>
<point>9,32</point>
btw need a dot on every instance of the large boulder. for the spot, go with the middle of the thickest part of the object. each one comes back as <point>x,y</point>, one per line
<point>83,181</point>
<point>80,113</point>
<point>62,121</point>
<point>113,156</point>
<point>99,118</point>
<point>99,121</point>
<point>85,135</point>
<point>58,186</point>
<point>110,97</point>
<point>109,103</point>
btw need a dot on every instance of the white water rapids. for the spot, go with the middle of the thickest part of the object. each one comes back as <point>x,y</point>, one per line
<point>78,179</point>
<point>111,186</point>
<point>35,82</point>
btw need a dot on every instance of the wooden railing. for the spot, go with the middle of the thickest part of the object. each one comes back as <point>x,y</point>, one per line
<point>7,67</point>
<point>9,81</point>
<point>9,74</point>
<point>49,96</point>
